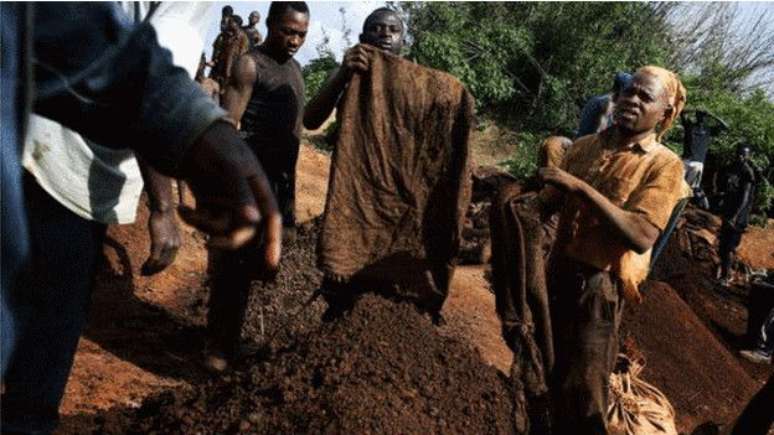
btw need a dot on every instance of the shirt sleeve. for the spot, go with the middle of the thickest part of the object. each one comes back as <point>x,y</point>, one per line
<point>656,197</point>
<point>112,82</point>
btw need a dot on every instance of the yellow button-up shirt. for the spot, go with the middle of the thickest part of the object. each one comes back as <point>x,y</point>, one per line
<point>645,178</point>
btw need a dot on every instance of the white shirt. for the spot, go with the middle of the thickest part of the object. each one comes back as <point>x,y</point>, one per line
<point>97,182</point>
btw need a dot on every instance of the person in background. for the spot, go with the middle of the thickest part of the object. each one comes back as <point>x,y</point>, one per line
<point>597,113</point>
<point>698,134</point>
<point>737,202</point>
<point>228,46</point>
<point>253,35</point>
<point>266,95</point>
<point>764,343</point>
<point>382,29</point>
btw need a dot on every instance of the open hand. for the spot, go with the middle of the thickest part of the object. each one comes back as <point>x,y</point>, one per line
<point>233,197</point>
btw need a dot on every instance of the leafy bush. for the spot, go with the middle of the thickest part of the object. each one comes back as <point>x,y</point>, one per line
<point>316,71</point>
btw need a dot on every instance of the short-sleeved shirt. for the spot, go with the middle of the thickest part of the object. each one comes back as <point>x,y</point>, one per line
<point>644,178</point>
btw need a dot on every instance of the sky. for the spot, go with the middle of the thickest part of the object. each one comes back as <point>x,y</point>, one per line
<point>324,16</point>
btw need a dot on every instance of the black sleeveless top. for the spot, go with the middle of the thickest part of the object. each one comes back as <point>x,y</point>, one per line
<point>275,111</point>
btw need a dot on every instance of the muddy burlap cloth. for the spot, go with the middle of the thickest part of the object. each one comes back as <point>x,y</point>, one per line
<point>400,182</point>
<point>521,299</point>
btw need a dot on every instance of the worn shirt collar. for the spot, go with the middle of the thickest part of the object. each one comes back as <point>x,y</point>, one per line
<point>610,139</point>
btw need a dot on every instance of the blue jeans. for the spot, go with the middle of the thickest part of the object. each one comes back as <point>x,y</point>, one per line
<point>50,306</point>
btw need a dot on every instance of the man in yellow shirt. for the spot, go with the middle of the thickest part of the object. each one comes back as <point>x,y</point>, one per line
<point>616,191</point>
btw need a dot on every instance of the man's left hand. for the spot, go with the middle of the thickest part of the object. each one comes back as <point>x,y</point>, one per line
<point>165,242</point>
<point>561,179</point>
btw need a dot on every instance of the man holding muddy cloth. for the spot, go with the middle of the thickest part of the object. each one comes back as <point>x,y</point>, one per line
<point>399,182</point>
<point>266,93</point>
<point>616,190</point>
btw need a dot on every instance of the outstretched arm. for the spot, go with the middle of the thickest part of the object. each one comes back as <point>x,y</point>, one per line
<point>321,106</point>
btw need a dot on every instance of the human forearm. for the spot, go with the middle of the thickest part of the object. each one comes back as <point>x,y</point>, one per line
<point>158,187</point>
<point>321,106</point>
<point>634,229</point>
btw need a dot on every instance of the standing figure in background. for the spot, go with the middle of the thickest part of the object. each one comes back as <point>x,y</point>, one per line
<point>266,94</point>
<point>208,85</point>
<point>253,35</point>
<point>597,114</point>
<point>226,49</point>
<point>697,136</point>
<point>737,202</point>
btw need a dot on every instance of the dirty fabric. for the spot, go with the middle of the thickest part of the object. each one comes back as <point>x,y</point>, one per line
<point>400,182</point>
<point>519,282</point>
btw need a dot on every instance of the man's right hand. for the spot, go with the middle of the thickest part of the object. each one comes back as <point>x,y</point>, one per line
<point>233,197</point>
<point>358,58</point>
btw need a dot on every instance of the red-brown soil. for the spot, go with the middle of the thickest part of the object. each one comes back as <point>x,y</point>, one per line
<point>142,346</point>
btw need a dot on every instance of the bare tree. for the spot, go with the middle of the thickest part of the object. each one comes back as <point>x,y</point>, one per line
<point>723,39</point>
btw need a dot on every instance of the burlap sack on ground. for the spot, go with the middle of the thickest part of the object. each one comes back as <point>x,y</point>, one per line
<point>400,182</point>
<point>636,407</point>
<point>521,298</point>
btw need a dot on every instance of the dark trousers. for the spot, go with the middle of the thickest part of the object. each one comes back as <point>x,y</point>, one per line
<point>729,240</point>
<point>50,308</point>
<point>231,273</point>
<point>280,166</point>
<point>586,309</point>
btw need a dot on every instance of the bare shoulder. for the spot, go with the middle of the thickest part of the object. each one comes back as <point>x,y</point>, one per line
<point>245,70</point>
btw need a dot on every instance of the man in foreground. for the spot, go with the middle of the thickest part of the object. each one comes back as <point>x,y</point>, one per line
<point>266,94</point>
<point>125,94</point>
<point>616,191</point>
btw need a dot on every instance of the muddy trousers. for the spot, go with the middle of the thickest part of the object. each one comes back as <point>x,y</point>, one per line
<point>50,307</point>
<point>231,273</point>
<point>586,309</point>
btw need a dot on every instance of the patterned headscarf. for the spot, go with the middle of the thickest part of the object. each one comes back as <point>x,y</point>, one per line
<point>676,93</point>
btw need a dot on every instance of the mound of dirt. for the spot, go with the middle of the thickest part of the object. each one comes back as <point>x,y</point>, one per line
<point>383,368</point>
<point>701,378</point>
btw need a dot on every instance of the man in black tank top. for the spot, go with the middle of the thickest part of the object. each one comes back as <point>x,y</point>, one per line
<point>266,95</point>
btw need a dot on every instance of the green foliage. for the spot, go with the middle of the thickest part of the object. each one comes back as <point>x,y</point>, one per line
<point>533,64</point>
<point>524,162</point>
<point>316,72</point>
